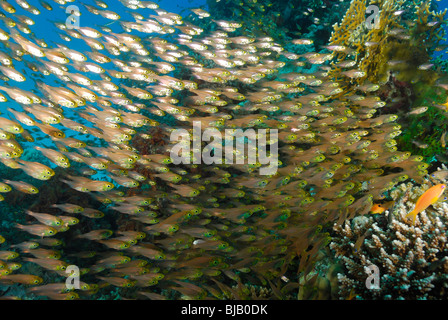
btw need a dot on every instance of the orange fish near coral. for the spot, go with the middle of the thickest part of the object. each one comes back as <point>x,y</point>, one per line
<point>377,208</point>
<point>428,198</point>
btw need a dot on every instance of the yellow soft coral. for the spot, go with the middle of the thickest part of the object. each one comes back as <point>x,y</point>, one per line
<point>379,44</point>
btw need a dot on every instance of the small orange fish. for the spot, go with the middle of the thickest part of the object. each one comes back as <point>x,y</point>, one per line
<point>426,199</point>
<point>118,282</point>
<point>49,264</point>
<point>23,279</point>
<point>45,218</point>
<point>379,208</point>
<point>68,207</point>
<point>97,234</point>
<point>38,229</point>
<point>41,253</point>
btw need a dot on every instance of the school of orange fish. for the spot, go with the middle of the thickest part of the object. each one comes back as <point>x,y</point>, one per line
<point>196,229</point>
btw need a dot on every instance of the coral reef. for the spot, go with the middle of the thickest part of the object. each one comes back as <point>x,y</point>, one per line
<point>411,259</point>
<point>109,196</point>
<point>393,46</point>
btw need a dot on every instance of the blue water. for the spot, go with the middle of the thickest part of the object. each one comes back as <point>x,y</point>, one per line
<point>443,54</point>
<point>45,29</point>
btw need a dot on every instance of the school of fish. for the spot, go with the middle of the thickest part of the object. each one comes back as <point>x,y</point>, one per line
<point>103,117</point>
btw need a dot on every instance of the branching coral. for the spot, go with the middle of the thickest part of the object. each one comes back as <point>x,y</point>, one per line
<point>411,259</point>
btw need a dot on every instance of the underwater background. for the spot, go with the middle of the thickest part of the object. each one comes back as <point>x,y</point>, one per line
<point>93,207</point>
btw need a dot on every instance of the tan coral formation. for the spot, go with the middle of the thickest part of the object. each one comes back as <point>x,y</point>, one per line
<point>411,259</point>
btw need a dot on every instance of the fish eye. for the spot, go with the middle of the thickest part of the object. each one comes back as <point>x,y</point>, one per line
<point>215,262</point>
<point>223,245</point>
<point>263,183</point>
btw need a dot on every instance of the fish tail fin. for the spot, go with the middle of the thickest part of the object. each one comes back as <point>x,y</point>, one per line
<point>66,181</point>
<point>31,213</point>
<point>412,215</point>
